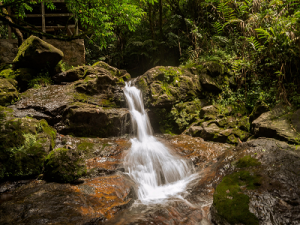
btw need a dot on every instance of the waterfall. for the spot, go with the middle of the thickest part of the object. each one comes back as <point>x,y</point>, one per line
<point>158,173</point>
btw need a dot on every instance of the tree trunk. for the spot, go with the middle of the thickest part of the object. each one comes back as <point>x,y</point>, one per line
<point>16,31</point>
<point>160,19</point>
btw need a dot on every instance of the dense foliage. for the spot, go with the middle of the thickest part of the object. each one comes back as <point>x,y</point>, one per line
<point>256,41</point>
<point>98,18</point>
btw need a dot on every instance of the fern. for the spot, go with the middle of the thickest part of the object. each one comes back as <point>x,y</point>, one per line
<point>255,44</point>
<point>218,28</point>
<point>264,34</point>
<point>227,12</point>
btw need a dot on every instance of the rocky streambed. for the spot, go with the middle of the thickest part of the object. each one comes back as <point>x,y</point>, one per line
<point>62,147</point>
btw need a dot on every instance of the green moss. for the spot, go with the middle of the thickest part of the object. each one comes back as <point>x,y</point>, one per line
<point>142,85</point>
<point>247,161</point>
<point>28,47</point>
<point>7,73</point>
<point>85,148</point>
<point>64,165</point>
<point>4,66</point>
<point>186,113</point>
<point>22,147</point>
<point>170,74</point>
<point>229,200</point>
<point>8,93</point>
<point>23,48</point>
<point>51,132</point>
<point>104,65</point>
<point>121,81</point>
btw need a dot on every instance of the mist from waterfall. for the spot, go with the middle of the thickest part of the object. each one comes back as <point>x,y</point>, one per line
<point>158,173</point>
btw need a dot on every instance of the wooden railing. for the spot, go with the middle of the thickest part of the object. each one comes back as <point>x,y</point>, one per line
<point>43,16</point>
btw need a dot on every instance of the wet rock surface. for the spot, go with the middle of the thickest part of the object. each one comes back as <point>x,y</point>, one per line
<point>42,203</point>
<point>63,108</point>
<point>274,199</point>
<point>89,120</point>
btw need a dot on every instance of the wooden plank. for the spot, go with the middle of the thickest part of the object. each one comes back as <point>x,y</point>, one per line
<point>51,27</point>
<point>50,15</point>
<point>8,27</point>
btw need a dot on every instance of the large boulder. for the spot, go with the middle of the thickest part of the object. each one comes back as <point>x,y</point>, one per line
<point>8,91</point>
<point>261,185</point>
<point>24,144</point>
<point>99,89</point>
<point>84,120</point>
<point>37,54</point>
<point>165,86</point>
<point>280,123</point>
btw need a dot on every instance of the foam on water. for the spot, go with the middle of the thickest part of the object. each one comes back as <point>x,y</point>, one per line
<point>158,173</point>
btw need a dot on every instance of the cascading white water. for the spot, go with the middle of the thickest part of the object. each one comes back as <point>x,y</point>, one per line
<point>158,173</point>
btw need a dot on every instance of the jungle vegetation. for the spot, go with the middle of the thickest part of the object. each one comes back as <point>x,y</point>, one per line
<point>256,41</point>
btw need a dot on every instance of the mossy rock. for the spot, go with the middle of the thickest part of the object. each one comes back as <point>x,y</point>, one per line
<point>214,68</point>
<point>230,203</point>
<point>165,86</point>
<point>247,161</point>
<point>185,113</point>
<point>24,144</point>
<point>23,76</point>
<point>114,71</point>
<point>209,83</point>
<point>8,92</point>
<point>71,75</point>
<point>37,54</point>
<point>64,165</point>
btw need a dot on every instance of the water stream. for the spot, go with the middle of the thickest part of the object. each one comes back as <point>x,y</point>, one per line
<point>159,173</point>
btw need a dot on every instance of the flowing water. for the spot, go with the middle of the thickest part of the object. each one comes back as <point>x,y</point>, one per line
<point>158,173</point>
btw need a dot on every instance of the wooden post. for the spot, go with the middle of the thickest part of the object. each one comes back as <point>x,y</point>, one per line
<point>9,28</point>
<point>43,19</point>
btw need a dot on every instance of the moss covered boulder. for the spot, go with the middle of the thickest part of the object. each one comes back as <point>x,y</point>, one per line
<point>260,185</point>
<point>100,68</point>
<point>165,86</point>
<point>37,54</point>
<point>64,165</point>
<point>281,123</point>
<point>24,144</point>
<point>8,91</point>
